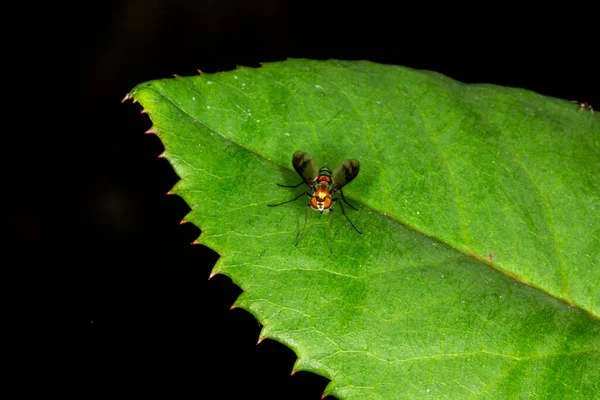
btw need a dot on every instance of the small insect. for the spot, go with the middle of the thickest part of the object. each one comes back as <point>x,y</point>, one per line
<point>583,106</point>
<point>323,184</point>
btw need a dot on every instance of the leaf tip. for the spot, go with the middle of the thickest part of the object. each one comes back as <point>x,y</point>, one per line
<point>200,71</point>
<point>151,130</point>
<point>262,335</point>
<point>214,271</point>
<point>327,391</point>
<point>296,367</point>
<point>127,97</point>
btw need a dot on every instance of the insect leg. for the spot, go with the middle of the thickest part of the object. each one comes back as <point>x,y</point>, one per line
<point>344,212</point>
<point>293,186</point>
<point>302,231</point>
<point>329,232</point>
<point>289,201</point>
<point>343,198</point>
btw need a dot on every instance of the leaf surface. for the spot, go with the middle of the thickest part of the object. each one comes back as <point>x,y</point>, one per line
<point>477,274</point>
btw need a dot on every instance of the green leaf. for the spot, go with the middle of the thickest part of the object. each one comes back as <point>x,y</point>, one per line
<point>477,274</point>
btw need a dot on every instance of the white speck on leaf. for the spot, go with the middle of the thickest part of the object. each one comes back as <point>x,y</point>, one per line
<point>286,134</point>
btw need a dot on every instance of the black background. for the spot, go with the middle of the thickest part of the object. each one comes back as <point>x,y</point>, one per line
<point>149,320</point>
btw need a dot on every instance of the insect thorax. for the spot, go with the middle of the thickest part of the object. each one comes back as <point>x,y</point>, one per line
<point>324,177</point>
<point>325,171</point>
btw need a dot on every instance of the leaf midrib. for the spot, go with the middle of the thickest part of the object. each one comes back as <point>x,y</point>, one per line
<point>386,215</point>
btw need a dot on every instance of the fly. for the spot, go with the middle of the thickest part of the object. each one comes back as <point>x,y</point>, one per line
<point>324,184</point>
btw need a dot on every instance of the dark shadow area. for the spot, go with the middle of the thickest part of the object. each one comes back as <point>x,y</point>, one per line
<point>149,319</point>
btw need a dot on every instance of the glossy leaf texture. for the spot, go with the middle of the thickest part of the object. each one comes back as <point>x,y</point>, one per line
<point>478,271</point>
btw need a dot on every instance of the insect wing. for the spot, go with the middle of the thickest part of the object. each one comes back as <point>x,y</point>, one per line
<point>345,173</point>
<point>304,165</point>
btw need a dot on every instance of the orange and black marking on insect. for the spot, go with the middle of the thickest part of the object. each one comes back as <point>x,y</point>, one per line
<point>324,184</point>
